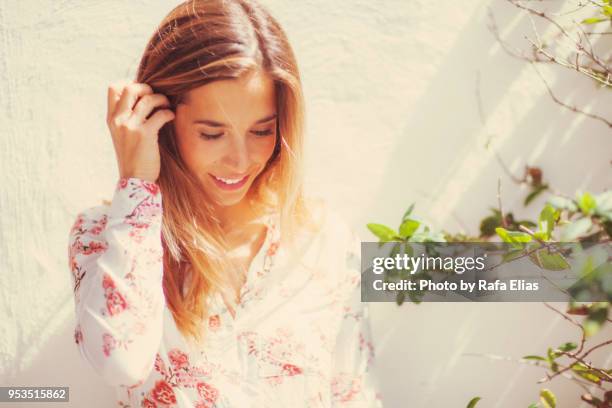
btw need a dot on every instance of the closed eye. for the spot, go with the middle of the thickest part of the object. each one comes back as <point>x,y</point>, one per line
<point>263,132</point>
<point>260,133</point>
<point>210,137</point>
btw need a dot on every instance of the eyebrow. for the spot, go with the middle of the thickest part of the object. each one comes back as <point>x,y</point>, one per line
<point>219,124</point>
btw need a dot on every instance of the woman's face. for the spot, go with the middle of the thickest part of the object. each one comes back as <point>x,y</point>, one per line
<point>226,132</point>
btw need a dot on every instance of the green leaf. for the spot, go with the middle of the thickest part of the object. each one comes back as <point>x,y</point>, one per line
<point>587,203</point>
<point>408,212</point>
<point>527,223</point>
<point>541,235</point>
<point>598,313</point>
<point>408,249</point>
<point>576,229</point>
<point>547,398</point>
<point>408,228</point>
<point>512,255</point>
<point>383,232</point>
<point>569,346</point>
<point>593,20</point>
<point>533,406</point>
<point>547,219</point>
<point>400,298</point>
<point>553,261</point>
<point>488,225</point>
<point>395,250</point>
<point>513,237</point>
<point>552,355</point>
<point>579,367</point>
<point>473,402</point>
<point>607,10</point>
<point>562,203</point>
<point>535,192</point>
<point>539,358</point>
<point>586,373</point>
<point>603,205</point>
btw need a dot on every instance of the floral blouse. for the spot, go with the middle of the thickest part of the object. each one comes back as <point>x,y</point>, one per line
<point>300,336</point>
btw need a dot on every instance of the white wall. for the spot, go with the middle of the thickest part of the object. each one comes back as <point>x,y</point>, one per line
<point>392,119</point>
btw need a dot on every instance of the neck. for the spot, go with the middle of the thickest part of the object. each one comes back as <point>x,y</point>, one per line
<point>234,217</point>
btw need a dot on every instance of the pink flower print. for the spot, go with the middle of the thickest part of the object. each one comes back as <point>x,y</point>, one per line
<point>150,187</point>
<point>145,209</point>
<point>160,366</point>
<point>99,226</point>
<point>78,335</point>
<point>274,380</point>
<point>163,393</point>
<point>185,379</point>
<point>74,265</point>
<point>109,343</point>
<point>78,224</point>
<point>204,370</point>
<point>272,249</point>
<point>290,369</point>
<point>345,388</point>
<point>178,359</point>
<point>214,322</point>
<point>208,392</point>
<point>122,183</point>
<point>147,403</point>
<point>364,344</point>
<point>107,282</point>
<point>115,303</point>
<point>94,247</point>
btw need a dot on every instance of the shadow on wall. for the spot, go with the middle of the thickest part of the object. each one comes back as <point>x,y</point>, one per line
<point>444,138</point>
<point>61,355</point>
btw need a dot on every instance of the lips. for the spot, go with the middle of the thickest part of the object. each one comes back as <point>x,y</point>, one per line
<point>229,186</point>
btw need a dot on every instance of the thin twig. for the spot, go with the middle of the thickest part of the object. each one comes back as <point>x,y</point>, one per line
<point>565,105</point>
<point>542,56</point>
<point>575,323</point>
<point>581,69</point>
<point>578,45</point>
<point>531,363</point>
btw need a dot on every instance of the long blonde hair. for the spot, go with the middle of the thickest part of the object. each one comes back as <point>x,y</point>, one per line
<point>198,42</point>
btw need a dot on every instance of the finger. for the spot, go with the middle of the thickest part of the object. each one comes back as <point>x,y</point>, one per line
<point>129,97</point>
<point>146,104</point>
<point>113,95</point>
<point>159,119</point>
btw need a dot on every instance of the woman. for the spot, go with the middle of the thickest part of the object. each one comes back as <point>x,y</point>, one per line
<point>234,291</point>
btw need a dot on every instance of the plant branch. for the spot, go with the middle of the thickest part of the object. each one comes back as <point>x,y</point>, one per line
<point>570,107</point>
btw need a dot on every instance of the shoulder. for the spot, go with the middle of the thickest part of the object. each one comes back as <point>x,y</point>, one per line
<point>335,227</point>
<point>337,237</point>
<point>340,248</point>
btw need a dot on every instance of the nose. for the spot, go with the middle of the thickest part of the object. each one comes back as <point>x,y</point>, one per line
<point>238,155</point>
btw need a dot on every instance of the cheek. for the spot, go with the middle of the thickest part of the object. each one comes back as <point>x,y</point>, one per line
<point>262,149</point>
<point>198,155</point>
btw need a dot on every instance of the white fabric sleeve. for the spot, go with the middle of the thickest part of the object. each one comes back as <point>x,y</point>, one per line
<point>353,382</point>
<point>115,259</point>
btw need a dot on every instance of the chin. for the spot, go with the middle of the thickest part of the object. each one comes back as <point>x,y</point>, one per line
<point>228,201</point>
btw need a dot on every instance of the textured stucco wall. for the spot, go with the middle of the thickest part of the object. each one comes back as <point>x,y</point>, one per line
<point>392,118</point>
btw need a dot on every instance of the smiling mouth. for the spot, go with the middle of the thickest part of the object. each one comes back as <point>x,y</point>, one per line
<point>229,183</point>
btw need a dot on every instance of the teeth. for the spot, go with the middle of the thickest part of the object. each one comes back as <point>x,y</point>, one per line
<point>228,181</point>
